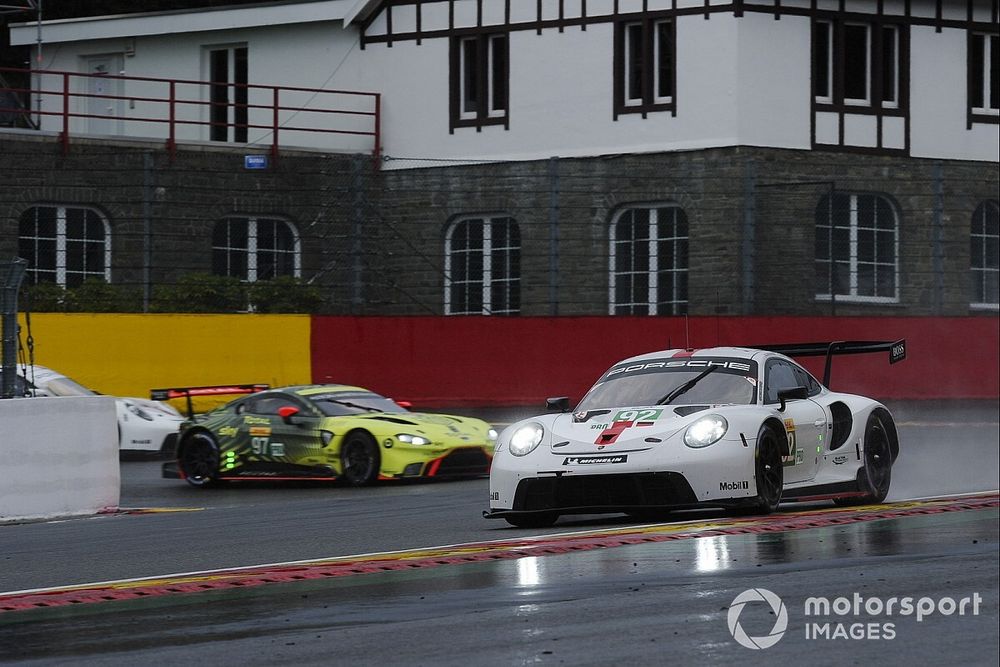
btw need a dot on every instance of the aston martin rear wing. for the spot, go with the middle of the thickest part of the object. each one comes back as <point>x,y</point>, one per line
<point>210,390</point>
<point>896,349</point>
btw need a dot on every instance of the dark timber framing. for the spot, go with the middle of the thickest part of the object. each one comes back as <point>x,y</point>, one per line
<point>971,22</point>
<point>736,7</point>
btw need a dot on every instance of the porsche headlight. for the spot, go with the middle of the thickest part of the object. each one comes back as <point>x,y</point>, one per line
<point>139,412</point>
<point>526,438</point>
<point>705,431</point>
<point>412,439</point>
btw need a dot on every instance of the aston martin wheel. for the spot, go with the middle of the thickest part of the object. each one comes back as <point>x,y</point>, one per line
<point>199,459</point>
<point>540,520</point>
<point>359,459</point>
<point>768,472</point>
<point>876,475</point>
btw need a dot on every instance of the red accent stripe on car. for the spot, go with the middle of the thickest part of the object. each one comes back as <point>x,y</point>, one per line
<point>611,433</point>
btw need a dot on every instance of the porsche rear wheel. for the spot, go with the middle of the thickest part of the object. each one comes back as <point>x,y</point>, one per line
<point>199,459</point>
<point>878,463</point>
<point>768,472</point>
<point>540,520</point>
<point>359,459</point>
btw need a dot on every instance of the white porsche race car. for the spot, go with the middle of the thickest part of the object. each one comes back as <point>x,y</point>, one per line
<point>727,427</point>
<point>143,425</point>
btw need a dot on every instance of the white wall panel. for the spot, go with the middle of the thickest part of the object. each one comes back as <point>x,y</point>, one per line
<point>860,130</point>
<point>893,133</point>
<point>827,128</point>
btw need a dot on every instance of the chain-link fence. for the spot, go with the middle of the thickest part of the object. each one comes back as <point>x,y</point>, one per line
<point>723,231</point>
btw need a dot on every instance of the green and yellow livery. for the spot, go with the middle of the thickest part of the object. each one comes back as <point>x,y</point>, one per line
<point>330,432</point>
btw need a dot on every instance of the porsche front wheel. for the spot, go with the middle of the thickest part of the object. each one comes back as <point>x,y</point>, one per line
<point>199,460</point>
<point>768,472</point>
<point>359,459</point>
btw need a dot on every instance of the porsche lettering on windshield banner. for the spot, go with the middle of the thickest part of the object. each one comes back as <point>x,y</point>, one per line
<point>743,367</point>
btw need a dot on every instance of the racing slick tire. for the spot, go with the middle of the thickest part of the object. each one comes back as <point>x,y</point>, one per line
<point>878,463</point>
<point>541,520</point>
<point>360,460</point>
<point>199,459</point>
<point>768,473</point>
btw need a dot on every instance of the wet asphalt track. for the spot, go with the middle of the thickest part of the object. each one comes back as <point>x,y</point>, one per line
<point>658,603</point>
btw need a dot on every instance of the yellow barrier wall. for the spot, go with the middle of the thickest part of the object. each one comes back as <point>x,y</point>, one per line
<point>129,354</point>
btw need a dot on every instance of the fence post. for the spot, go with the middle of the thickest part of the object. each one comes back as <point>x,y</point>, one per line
<point>553,236</point>
<point>147,229</point>
<point>749,236</point>
<point>937,232</point>
<point>357,229</point>
<point>12,272</point>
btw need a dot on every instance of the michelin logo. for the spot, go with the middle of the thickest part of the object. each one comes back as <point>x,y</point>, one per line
<point>594,460</point>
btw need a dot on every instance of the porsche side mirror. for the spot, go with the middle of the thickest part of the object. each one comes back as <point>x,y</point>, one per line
<point>557,404</point>
<point>287,413</point>
<point>792,394</point>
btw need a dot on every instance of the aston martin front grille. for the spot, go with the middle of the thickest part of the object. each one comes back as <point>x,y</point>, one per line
<point>465,461</point>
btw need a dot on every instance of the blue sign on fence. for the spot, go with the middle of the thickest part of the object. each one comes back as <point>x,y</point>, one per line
<point>255,161</point>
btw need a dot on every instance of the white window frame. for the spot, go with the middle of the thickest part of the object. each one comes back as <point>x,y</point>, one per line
<point>657,46</point>
<point>651,77</point>
<point>654,237</point>
<point>985,109</point>
<point>980,272</point>
<point>490,65</point>
<point>894,104</point>
<point>252,249</point>
<point>867,99</point>
<point>231,84</point>
<point>853,261</point>
<point>61,244</point>
<point>828,98</point>
<point>486,281</point>
<point>487,86</point>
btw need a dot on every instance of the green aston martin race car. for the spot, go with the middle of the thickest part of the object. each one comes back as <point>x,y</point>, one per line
<point>325,432</point>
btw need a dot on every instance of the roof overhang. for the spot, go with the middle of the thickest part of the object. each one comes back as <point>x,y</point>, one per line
<point>184,21</point>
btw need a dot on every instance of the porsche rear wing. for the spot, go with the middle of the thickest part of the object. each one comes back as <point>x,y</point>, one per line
<point>210,390</point>
<point>896,349</point>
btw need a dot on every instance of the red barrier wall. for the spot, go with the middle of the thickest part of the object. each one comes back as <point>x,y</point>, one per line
<point>482,361</point>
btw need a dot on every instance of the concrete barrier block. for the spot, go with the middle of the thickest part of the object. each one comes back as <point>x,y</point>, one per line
<point>58,457</point>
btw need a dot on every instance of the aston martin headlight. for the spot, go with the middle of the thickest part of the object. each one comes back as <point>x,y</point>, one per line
<point>707,430</point>
<point>412,439</point>
<point>526,438</point>
<point>139,412</point>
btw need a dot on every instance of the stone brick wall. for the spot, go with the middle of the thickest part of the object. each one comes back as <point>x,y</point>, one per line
<point>374,239</point>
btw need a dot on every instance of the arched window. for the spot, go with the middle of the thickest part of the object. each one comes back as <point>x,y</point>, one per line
<point>253,249</point>
<point>65,244</point>
<point>482,266</point>
<point>984,254</point>
<point>857,248</point>
<point>649,261</point>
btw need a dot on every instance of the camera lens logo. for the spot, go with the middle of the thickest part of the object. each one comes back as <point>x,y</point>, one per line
<point>777,607</point>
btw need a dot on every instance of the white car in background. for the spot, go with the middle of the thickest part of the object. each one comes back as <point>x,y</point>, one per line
<point>143,425</point>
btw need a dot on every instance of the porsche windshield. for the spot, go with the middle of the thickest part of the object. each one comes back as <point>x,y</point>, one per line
<point>355,403</point>
<point>691,381</point>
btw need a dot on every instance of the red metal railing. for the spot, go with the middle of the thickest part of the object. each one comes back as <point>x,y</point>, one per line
<point>275,111</point>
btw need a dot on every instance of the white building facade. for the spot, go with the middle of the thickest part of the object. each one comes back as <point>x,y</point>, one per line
<point>625,157</point>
